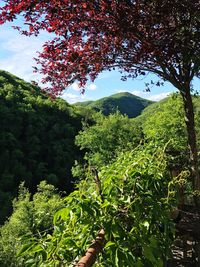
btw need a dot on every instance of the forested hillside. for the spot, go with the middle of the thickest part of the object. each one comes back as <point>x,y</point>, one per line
<point>123,172</point>
<point>126,103</point>
<point>136,196</point>
<point>36,139</point>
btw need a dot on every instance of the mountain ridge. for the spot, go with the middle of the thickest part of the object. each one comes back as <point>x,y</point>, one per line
<point>125,102</point>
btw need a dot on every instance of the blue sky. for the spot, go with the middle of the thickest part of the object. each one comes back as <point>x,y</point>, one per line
<point>17,54</point>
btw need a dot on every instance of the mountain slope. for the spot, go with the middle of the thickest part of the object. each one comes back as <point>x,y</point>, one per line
<point>126,103</point>
<point>36,139</point>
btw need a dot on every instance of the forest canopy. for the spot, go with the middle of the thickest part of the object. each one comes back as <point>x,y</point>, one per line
<point>36,139</point>
<point>137,184</point>
<point>132,159</point>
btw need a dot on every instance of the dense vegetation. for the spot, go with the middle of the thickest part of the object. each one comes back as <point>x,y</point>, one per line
<point>164,121</point>
<point>108,136</point>
<point>131,189</point>
<point>36,139</point>
<point>126,103</point>
<point>132,202</point>
<point>124,181</point>
<point>30,217</point>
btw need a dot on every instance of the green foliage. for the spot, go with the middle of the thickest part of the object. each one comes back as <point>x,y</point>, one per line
<point>36,139</point>
<point>31,217</point>
<point>164,122</point>
<point>107,137</point>
<point>132,203</point>
<point>126,103</point>
<point>196,101</point>
<point>131,198</point>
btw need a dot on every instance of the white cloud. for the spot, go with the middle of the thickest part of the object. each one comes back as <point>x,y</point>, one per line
<point>150,96</point>
<point>75,87</point>
<point>139,93</point>
<point>92,87</point>
<point>158,97</point>
<point>17,52</point>
<point>120,91</point>
<point>73,98</point>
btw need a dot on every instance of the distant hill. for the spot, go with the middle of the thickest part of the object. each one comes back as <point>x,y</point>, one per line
<point>36,139</point>
<point>126,103</point>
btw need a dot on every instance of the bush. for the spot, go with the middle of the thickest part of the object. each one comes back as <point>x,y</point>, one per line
<point>131,199</point>
<point>32,216</point>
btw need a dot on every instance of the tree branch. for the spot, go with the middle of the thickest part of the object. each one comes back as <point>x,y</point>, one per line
<point>91,254</point>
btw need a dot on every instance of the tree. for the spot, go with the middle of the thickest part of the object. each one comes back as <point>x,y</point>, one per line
<point>36,140</point>
<point>134,36</point>
<point>163,122</point>
<point>132,202</point>
<point>32,216</point>
<point>109,135</point>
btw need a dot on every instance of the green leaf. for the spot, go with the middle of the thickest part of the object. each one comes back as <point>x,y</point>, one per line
<point>109,244</point>
<point>148,253</point>
<point>62,214</point>
<point>87,207</point>
<point>26,248</point>
<point>106,203</point>
<point>69,242</point>
<point>116,258</point>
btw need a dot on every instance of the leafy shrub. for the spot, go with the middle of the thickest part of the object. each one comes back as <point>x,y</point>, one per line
<point>131,199</point>
<point>31,217</point>
<point>107,137</point>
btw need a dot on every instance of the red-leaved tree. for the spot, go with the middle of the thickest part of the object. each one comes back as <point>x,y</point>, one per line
<point>134,36</point>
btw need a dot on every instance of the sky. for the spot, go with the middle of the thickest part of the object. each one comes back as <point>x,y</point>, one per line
<point>17,53</point>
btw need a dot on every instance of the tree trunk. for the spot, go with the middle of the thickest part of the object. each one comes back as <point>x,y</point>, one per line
<point>190,126</point>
